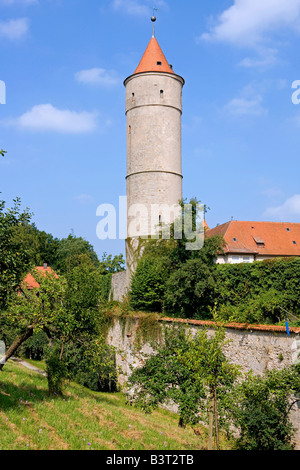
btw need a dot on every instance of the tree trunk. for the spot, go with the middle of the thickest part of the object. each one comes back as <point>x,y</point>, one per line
<point>210,423</point>
<point>16,344</point>
<point>216,420</point>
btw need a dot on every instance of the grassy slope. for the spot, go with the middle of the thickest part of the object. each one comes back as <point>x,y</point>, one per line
<point>82,419</point>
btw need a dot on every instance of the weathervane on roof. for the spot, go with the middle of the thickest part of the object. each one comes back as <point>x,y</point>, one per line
<point>153,19</point>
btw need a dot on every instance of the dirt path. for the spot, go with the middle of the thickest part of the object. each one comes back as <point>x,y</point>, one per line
<point>29,366</point>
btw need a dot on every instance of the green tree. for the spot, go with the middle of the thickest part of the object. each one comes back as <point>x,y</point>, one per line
<point>31,311</point>
<point>205,359</point>
<point>164,378</point>
<point>262,405</point>
<point>148,284</point>
<point>14,260</point>
<point>173,279</point>
<point>192,372</point>
<point>189,291</point>
<point>112,264</point>
<point>67,310</point>
<point>41,246</point>
<point>72,246</point>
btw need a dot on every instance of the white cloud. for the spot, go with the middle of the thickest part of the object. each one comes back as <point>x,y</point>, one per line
<point>290,209</point>
<point>45,117</point>
<point>14,29</point>
<point>98,76</point>
<point>266,57</point>
<point>247,22</point>
<point>244,106</point>
<point>249,102</point>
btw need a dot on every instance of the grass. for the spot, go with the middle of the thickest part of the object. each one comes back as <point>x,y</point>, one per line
<point>82,419</point>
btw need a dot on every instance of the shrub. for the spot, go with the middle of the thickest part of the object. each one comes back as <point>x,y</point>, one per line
<point>190,290</point>
<point>262,410</point>
<point>148,284</point>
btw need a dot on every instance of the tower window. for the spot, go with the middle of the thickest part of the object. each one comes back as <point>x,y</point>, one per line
<point>161,93</point>
<point>129,129</point>
<point>158,62</point>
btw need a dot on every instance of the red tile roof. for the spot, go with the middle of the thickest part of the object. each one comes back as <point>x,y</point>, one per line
<point>232,325</point>
<point>263,238</point>
<point>30,283</point>
<point>153,56</point>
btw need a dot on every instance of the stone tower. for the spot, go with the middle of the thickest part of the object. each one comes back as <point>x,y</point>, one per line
<point>154,169</point>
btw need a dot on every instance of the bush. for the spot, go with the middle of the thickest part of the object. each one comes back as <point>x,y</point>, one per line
<point>257,293</point>
<point>262,410</point>
<point>190,290</point>
<point>148,284</point>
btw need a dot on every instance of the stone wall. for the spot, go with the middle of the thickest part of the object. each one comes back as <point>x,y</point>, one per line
<point>119,286</point>
<point>256,348</point>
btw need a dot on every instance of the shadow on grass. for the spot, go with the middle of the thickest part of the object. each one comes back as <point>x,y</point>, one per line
<point>32,387</point>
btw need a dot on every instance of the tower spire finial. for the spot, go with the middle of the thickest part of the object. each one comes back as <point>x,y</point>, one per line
<point>153,19</point>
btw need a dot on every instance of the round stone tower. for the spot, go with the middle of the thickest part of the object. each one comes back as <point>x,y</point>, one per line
<point>154,169</point>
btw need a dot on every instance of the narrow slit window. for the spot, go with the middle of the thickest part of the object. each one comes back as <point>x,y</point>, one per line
<point>161,93</point>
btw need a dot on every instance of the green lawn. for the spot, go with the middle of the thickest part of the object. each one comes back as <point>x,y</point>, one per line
<point>81,419</point>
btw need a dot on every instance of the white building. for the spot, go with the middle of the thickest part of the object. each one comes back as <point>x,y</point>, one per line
<point>246,242</point>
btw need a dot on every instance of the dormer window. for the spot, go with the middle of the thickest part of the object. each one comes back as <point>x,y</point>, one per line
<point>259,241</point>
<point>158,62</point>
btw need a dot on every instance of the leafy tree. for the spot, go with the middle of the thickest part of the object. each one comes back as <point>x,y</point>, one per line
<point>41,246</point>
<point>148,284</point>
<point>192,372</point>
<point>206,361</point>
<point>262,407</point>
<point>67,310</point>
<point>14,260</point>
<point>111,264</point>
<point>2,152</point>
<point>171,278</point>
<point>72,246</point>
<point>189,290</point>
<point>34,310</point>
<point>164,378</point>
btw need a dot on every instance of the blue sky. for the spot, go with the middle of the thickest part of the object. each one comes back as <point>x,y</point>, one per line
<point>64,128</point>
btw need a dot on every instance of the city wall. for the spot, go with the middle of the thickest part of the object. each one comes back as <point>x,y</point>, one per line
<point>258,348</point>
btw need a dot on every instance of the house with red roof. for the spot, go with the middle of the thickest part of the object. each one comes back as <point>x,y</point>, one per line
<point>246,242</point>
<point>29,281</point>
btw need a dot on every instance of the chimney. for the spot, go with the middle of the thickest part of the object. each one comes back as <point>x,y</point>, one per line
<point>45,266</point>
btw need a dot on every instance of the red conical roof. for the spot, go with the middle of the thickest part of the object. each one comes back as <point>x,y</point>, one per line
<point>153,59</point>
